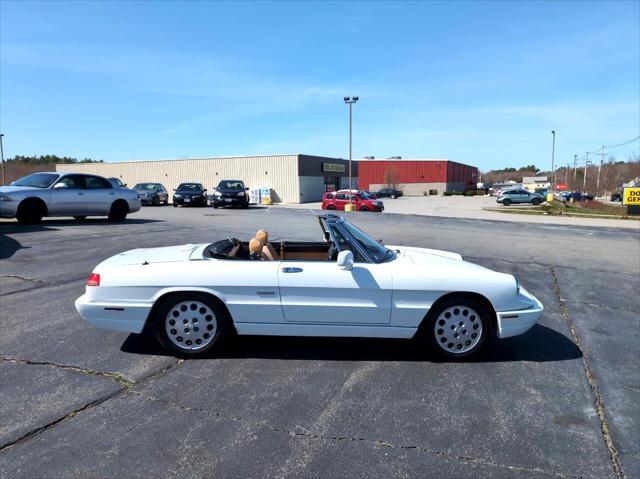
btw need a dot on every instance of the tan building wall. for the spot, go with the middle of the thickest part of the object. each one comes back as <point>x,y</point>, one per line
<point>419,189</point>
<point>277,172</point>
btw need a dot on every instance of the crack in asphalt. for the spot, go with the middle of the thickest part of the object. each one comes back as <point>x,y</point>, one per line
<point>613,308</point>
<point>127,385</point>
<point>548,265</point>
<point>593,385</point>
<point>120,379</point>
<point>305,433</point>
<point>45,284</point>
<point>22,278</point>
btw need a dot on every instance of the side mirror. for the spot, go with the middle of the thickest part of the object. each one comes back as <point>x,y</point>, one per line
<point>345,260</point>
<point>58,186</point>
<point>124,184</point>
<point>246,189</point>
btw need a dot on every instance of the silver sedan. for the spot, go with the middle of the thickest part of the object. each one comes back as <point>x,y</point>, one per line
<point>65,194</point>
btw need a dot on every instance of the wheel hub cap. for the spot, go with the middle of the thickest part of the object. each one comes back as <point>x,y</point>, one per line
<point>458,329</point>
<point>191,325</point>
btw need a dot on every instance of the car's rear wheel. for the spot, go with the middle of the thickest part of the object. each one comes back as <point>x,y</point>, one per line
<point>364,208</point>
<point>331,207</point>
<point>30,211</point>
<point>190,324</point>
<point>457,327</point>
<point>118,211</point>
<point>536,201</point>
<point>506,202</point>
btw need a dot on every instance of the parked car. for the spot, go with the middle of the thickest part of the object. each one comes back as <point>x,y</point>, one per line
<point>117,182</point>
<point>336,200</point>
<point>616,197</point>
<point>190,194</point>
<point>389,193</point>
<point>230,193</point>
<point>519,195</point>
<point>192,297</point>
<point>34,196</point>
<point>152,193</point>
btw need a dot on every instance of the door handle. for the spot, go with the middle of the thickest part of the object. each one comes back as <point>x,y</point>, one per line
<point>80,194</point>
<point>292,270</point>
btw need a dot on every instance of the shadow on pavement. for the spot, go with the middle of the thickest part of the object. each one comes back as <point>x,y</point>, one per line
<point>540,344</point>
<point>8,246</point>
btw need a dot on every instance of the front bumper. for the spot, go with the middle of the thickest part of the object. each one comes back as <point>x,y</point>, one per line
<point>124,316</point>
<point>147,200</point>
<point>186,201</point>
<point>229,201</point>
<point>513,323</point>
<point>8,209</point>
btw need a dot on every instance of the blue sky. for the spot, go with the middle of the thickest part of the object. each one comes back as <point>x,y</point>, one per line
<point>482,83</point>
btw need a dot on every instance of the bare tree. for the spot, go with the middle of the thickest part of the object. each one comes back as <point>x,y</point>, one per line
<point>391,177</point>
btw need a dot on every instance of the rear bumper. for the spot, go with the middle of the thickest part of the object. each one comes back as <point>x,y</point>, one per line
<point>129,317</point>
<point>513,323</point>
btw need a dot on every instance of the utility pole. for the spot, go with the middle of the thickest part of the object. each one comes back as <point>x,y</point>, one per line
<point>586,165</point>
<point>599,169</point>
<point>553,155</point>
<point>575,163</point>
<point>350,102</point>
<point>4,183</point>
<point>566,174</point>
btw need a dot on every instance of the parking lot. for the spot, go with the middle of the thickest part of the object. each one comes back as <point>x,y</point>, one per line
<point>563,400</point>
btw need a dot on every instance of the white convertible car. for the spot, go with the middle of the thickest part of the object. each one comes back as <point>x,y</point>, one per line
<point>347,285</point>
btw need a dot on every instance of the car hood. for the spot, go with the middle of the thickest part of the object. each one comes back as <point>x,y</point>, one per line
<point>436,258</point>
<point>14,189</point>
<point>166,254</point>
<point>189,193</point>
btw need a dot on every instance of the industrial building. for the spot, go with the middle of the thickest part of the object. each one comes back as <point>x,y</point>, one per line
<point>292,178</point>
<point>416,176</point>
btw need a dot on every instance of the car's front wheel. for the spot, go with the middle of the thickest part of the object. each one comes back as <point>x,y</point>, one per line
<point>506,202</point>
<point>190,324</point>
<point>536,201</point>
<point>457,327</point>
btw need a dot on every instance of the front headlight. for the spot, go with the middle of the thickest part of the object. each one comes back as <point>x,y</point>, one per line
<point>5,198</point>
<point>177,196</point>
<point>217,193</point>
<point>240,194</point>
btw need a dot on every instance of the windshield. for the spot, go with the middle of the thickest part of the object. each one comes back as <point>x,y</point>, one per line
<point>145,186</point>
<point>37,180</point>
<point>377,251</point>
<point>364,196</point>
<point>190,187</point>
<point>231,185</point>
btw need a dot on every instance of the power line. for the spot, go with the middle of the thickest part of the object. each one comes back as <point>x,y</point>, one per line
<point>625,143</point>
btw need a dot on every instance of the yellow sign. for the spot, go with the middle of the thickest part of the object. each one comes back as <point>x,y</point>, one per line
<point>631,196</point>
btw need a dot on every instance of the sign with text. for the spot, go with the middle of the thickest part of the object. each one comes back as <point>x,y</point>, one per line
<point>631,196</point>
<point>333,167</point>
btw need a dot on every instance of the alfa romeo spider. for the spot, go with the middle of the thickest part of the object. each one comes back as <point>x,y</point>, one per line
<point>192,297</point>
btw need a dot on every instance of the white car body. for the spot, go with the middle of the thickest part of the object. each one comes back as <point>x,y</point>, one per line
<point>304,298</point>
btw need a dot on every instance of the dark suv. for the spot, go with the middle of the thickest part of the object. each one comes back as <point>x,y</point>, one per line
<point>230,193</point>
<point>190,194</point>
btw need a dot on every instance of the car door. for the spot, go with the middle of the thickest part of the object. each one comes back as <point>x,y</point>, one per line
<point>68,197</point>
<point>320,292</point>
<point>100,195</point>
<point>340,201</point>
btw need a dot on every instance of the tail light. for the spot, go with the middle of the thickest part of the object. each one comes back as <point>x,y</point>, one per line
<point>94,280</point>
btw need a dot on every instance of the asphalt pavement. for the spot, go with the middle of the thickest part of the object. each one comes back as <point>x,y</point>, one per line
<point>563,400</point>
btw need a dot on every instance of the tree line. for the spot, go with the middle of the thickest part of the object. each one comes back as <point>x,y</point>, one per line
<point>49,159</point>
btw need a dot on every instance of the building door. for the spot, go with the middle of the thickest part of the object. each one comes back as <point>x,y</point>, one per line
<point>331,183</point>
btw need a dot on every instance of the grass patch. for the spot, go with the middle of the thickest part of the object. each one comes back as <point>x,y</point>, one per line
<point>586,209</point>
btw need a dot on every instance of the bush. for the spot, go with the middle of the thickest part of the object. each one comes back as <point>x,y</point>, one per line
<point>453,193</point>
<point>433,192</point>
<point>470,193</point>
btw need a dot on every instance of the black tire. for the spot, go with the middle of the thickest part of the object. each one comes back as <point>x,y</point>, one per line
<point>506,202</point>
<point>30,211</point>
<point>166,201</point>
<point>118,211</point>
<point>364,208</point>
<point>536,201</point>
<point>480,321</point>
<point>221,323</point>
<point>245,206</point>
<point>215,206</point>
<point>175,205</point>
<point>80,218</point>
<point>156,201</point>
<point>331,207</point>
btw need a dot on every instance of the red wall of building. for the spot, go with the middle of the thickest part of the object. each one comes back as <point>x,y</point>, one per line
<point>372,172</point>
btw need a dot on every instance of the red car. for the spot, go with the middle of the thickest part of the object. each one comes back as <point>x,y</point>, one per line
<point>335,200</point>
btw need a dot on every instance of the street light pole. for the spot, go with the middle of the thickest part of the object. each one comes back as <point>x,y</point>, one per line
<point>575,164</point>
<point>2,157</point>
<point>599,169</point>
<point>586,166</point>
<point>553,158</point>
<point>350,101</point>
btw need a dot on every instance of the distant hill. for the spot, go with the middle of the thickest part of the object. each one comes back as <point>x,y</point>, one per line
<point>20,166</point>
